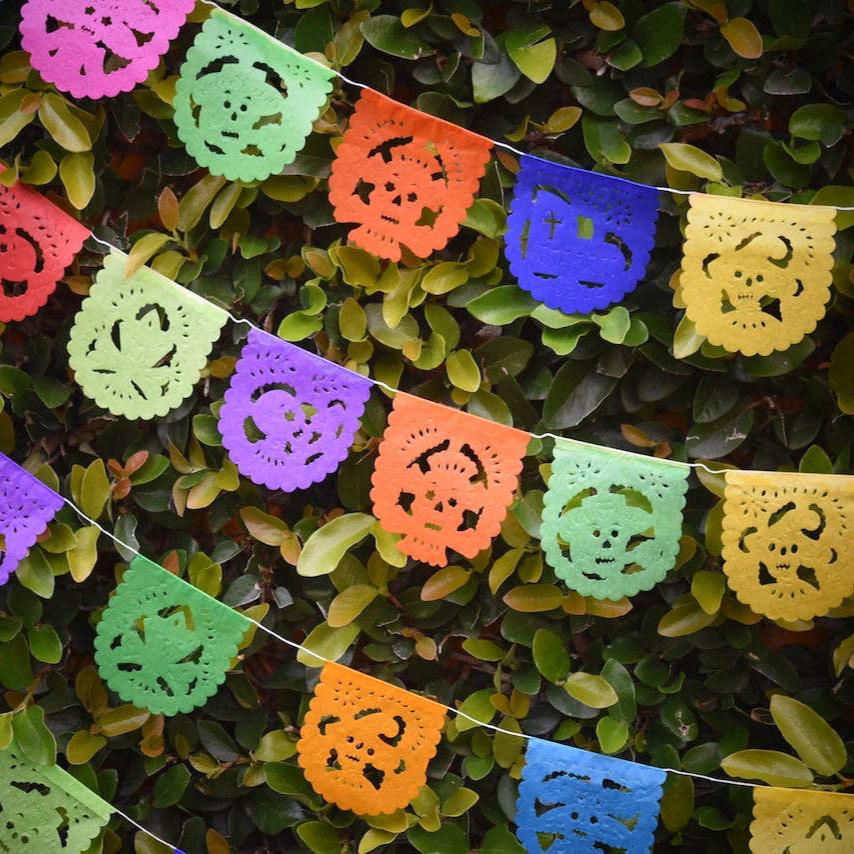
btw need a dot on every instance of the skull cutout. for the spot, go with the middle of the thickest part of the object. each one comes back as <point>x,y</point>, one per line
<point>365,744</point>
<point>444,479</point>
<point>244,103</point>
<point>801,822</point>
<point>37,242</point>
<point>756,275</point>
<point>404,178</point>
<point>784,546</point>
<point>289,418</point>
<point>574,802</point>
<point>138,344</point>
<point>611,523</point>
<point>26,508</point>
<point>163,645</point>
<point>98,48</point>
<point>578,241</point>
<point>44,810</point>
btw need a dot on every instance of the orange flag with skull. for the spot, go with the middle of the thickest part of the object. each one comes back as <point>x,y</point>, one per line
<point>365,744</point>
<point>444,479</point>
<point>405,178</point>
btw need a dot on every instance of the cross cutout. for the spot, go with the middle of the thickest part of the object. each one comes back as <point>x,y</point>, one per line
<point>553,222</point>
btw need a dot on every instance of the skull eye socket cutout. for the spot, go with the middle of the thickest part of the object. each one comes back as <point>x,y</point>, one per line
<point>611,523</point>
<point>755,275</point>
<point>38,242</point>
<point>801,821</point>
<point>244,103</point>
<point>444,479</point>
<point>578,241</point>
<point>785,542</point>
<point>570,802</point>
<point>163,645</point>
<point>289,417</point>
<point>404,178</point>
<point>99,48</point>
<point>365,744</point>
<point>138,344</point>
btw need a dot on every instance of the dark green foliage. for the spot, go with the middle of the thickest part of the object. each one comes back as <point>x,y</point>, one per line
<point>680,677</point>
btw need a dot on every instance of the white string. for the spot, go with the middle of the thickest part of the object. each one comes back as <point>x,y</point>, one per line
<point>298,646</point>
<point>136,824</point>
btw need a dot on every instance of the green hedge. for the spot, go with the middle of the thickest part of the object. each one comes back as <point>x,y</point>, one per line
<point>594,84</point>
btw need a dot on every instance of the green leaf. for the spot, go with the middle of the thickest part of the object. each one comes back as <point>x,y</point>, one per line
<point>443,582</point>
<point>823,123</point>
<point>328,544</point>
<point>604,141</point>
<point>144,249</point>
<point>35,573</point>
<point>170,786</point>
<point>486,217</point>
<point>502,305</point>
<point>32,737</point>
<point>327,642</point>
<point>478,706</point>
<point>68,131</point>
<point>349,603</point>
<point>612,735</point>
<point>77,173</point>
<point>94,489</point>
<point>550,655</point>
<point>659,33</point>
<point>770,766</point>
<point>531,598</point>
<point>387,33</point>
<point>492,80</point>
<point>813,739</point>
<point>484,650</point>
<point>45,644</point>
<point>590,689</point>
<point>688,158</point>
<point>708,589</point>
<point>12,120</point>
<point>533,51</point>
<point>319,837</point>
<point>263,527</point>
<point>463,371</point>
<point>684,620</point>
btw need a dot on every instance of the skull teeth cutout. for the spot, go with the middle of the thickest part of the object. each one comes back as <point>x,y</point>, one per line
<point>578,241</point>
<point>404,178</point>
<point>784,545</point>
<point>245,104</point>
<point>801,822</point>
<point>98,48</point>
<point>611,524</point>
<point>365,744</point>
<point>444,479</point>
<point>574,802</point>
<point>289,417</point>
<point>37,242</point>
<point>756,275</point>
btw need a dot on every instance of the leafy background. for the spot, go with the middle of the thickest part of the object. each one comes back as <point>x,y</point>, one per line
<point>735,97</point>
